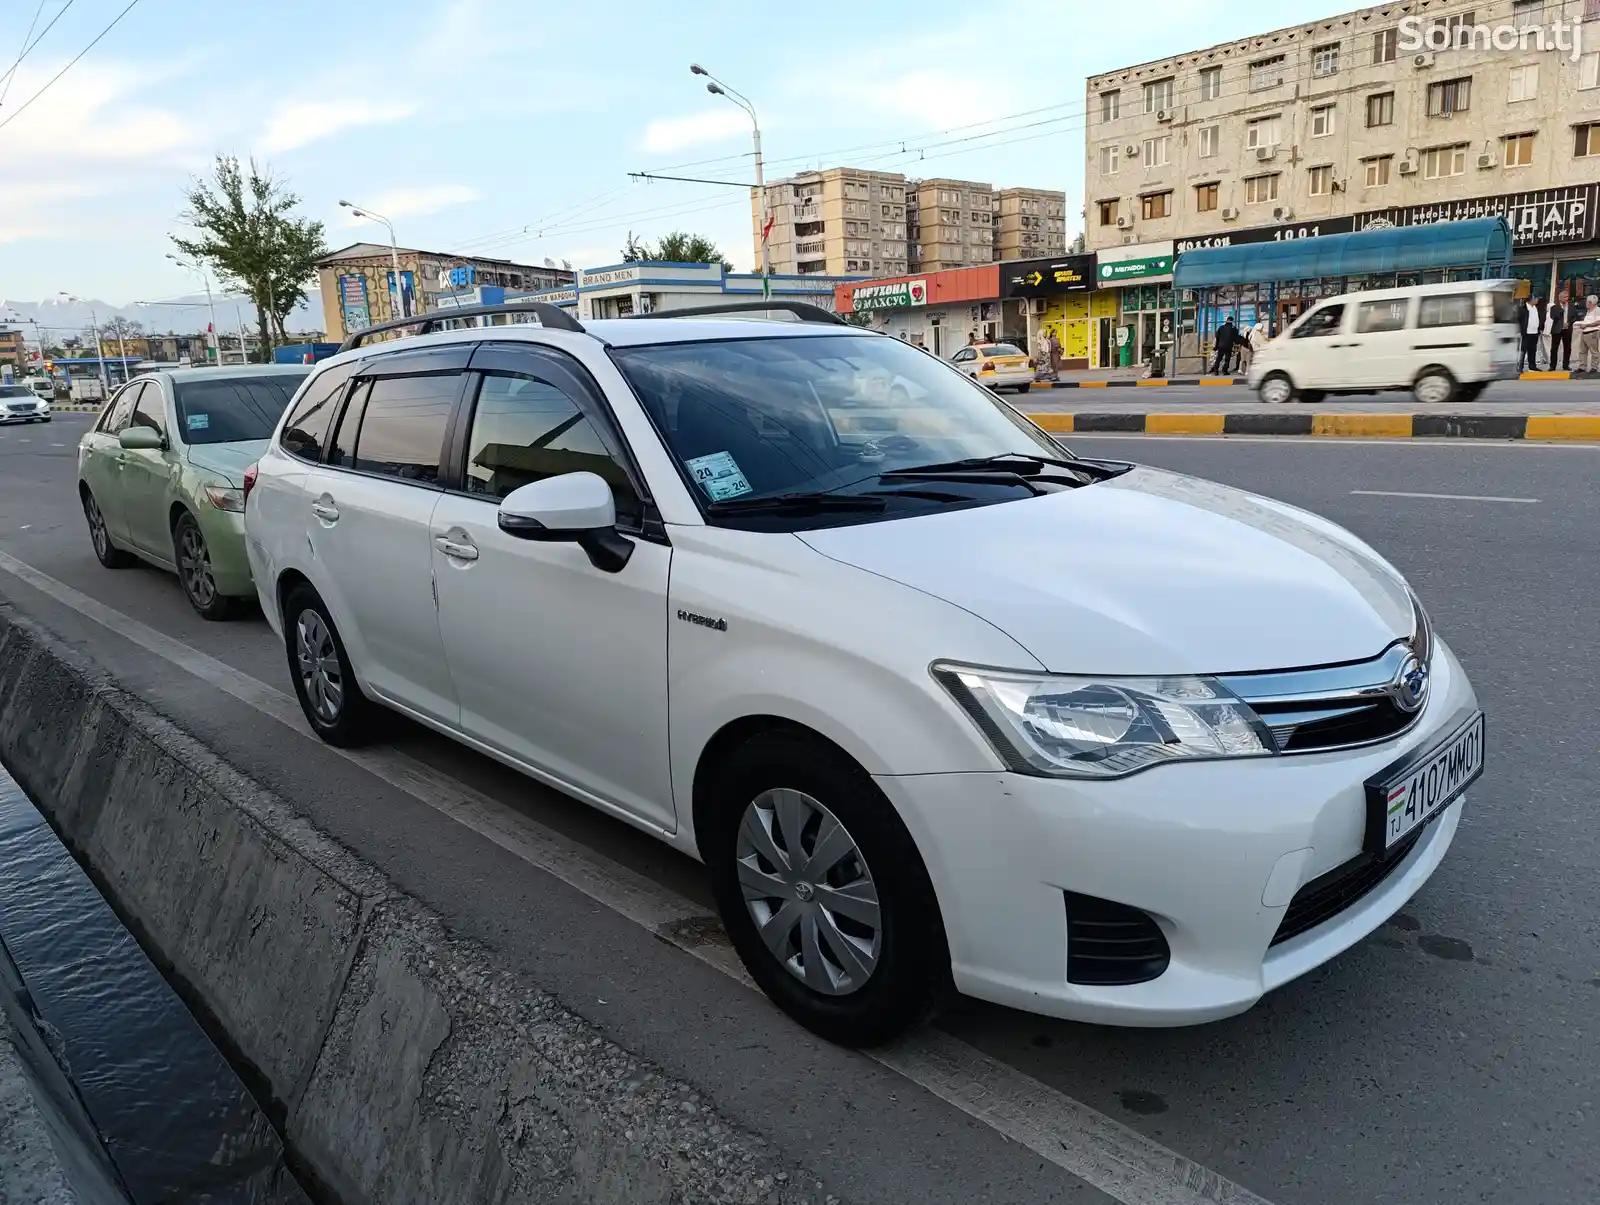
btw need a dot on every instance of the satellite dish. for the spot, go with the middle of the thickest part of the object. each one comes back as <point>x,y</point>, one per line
<point>548,262</point>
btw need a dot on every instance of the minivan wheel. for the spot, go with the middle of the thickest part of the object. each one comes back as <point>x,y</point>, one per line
<point>823,892</point>
<point>1434,386</point>
<point>193,558</point>
<point>108,553</point>
<point>320,668</point>
<point>1275,389</point>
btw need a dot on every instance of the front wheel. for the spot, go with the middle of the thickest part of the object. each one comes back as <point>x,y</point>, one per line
<point>823,892</point>
<point>1024,388</point>
<point>193,559</point>
<point>1471,393</point>
<point>1434,387</point>
<point>320,668</point>
<point>109,554</point>
<point>1276,389</point>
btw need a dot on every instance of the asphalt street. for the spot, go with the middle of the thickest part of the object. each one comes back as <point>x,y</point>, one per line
<point>1447,1059</point>
<point>1502,397</point>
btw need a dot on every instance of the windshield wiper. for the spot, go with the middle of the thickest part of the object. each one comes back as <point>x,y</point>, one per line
<point>1002,462</point>
<point>796,504</point>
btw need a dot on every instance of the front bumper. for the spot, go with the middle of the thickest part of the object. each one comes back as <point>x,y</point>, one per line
<point>224,533</point>
<point>24,412</point>
<point>1212,851</point>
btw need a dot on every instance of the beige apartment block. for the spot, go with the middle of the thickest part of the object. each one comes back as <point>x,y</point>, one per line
<point>951,224</point>
<point>1399,113</point>
<point>834,223</point>
<point>1029,223</point>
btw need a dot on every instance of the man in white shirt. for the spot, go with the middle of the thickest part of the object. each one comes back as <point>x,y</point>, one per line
<point>1588,330</point>
<point>1532,324</point>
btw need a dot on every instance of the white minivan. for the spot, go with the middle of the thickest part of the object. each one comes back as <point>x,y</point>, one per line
<point>937,701</point>
<point>1443,342</point>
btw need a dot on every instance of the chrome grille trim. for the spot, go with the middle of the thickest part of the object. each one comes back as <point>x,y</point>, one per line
<point>1333,707</point>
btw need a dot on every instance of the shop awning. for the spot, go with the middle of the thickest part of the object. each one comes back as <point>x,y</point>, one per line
<point>1476,243</point>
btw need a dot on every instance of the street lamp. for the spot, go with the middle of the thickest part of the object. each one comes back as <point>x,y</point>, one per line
<point>99,352</point>
<point>717,88</point>
<point>401,310</point>
<point>205,276</point>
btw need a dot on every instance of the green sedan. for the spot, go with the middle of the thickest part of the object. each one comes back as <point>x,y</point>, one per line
<point>161,474</point>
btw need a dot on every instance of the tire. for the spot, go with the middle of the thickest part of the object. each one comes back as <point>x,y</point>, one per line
<point>1434,386</point>
<point>193,559</point>
<point>108,553</point>
<point>324,681</point>
<point>1311,396</point>
<point>1471,393</point>
<point>1023,388</point>
<point>873,979</point>
<point>1276,388</point>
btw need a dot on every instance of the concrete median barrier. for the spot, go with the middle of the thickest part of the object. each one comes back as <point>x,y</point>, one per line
<point>1557,427</point>
<point>402,1062</point>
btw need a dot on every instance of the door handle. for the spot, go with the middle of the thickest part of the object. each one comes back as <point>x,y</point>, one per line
<point>326,511</point>
<point>455,550</point>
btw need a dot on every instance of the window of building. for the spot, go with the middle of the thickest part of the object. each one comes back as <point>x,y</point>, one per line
<point>1158,151</point>
<point>1205,197</point>
<point>1108,212</point>
<point>1377,170</point>
<point>1441,161</point>
<point>1260,189</point>
<point>1211,83</point>
<point>403,426</point>
<point>1523,82</point>
<point>1450,96</point>
<point>1589,70</point>
<point>1518,150</point>
<point>1209,140</point>
<point>1458,29</point>
<point>1320,180</point>
<point>1325,60</point>
<point>1588,140</point>
<point>1266,73</point>
<point>1321,121</point>
<point>1385,46</point>
<point>1155,205</point>
<point>1158,95</point>
<point>1380,109</point>
<point>1263,131</point>
<point>1528,12</point>
<point>1110,105</point>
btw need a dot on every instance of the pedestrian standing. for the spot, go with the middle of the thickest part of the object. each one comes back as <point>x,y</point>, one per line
<point>1055,356</point>
<point>1589,339</point>
<point>1532,324</point>
<point>1227,335</point>
<point>1561,333</point>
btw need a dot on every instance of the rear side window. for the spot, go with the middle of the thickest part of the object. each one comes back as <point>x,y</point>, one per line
<point>403,426</point>
<point>1505,308</point>
<point>1375,317</point>
<point>305,434</point>
<point>1452,309</point>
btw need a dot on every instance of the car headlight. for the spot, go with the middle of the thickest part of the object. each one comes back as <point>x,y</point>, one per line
<point>1086,727</point>
<point>224,498</point>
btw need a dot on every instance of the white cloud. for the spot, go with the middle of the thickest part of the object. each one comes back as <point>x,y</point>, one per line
<point>415,202</point>
<point>94,116</point>
<point>299,123</point>
<point>668,134</point>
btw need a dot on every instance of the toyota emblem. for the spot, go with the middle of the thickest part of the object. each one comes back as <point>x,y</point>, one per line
<point>1410,686</point>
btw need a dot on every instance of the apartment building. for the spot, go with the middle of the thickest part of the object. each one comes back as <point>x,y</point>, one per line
<point>1029,223</point>
<point>1398,114</point>
<point>950,224</point>
<point>837,222</point>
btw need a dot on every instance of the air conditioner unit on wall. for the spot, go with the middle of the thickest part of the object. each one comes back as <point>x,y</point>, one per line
<point>1264,153</point>
<point>1124,222</point>
<point>1282,214</point>
<point>1422,60</point>
<point>1485,162</point>
<point>1408,167</point>
<point>1230,214</point>
<point>1163,115</point>
<point>1131,151</point>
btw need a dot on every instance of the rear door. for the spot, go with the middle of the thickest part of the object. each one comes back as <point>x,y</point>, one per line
<point>368,510</point>
<point>147,474</point>
<point>1448,333</point>
<point>1380,346</point>
<point>100,459</point>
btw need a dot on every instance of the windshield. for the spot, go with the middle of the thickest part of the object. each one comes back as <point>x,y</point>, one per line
<point>15,391</point>
<point>220,410</point>
<point>753,418</point>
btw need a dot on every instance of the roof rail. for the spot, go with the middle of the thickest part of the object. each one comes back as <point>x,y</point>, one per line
<point>803,310</point>
<point>552,317</point>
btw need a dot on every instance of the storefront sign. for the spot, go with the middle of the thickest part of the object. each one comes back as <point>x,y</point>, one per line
<point>1547,218</point>
<point>1049,277</point>
<point>1135,269</point>
<point>557,297</point>
<point>613,276</point>
<point>353,303</point>
<point>1268,234</point>
<point>463,276</point>
<point>890,296</point>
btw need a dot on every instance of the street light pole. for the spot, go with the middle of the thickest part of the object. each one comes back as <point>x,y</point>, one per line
<point>205,277</point>
<point>717,88</point>
<point>99,352</point>
<point>402,310</point>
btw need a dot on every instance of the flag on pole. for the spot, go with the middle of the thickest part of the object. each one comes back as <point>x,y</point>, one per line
<point>766,283</point>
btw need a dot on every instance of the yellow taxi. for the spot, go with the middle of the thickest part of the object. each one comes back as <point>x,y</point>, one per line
<point>997,365</point>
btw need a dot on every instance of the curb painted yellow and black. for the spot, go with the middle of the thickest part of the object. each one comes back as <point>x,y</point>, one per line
<point>1221,382</point>
<point>1577,427</point>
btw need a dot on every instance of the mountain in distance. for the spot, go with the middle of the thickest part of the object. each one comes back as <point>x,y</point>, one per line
<point>60,318</point>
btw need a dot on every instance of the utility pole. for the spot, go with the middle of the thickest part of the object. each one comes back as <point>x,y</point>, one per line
<point>717,88</point>
<point>99,352</point>
<point>216,336</point>
<point>400,309</point>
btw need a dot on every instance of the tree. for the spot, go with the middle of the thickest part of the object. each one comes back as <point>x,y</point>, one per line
<point>679,247</point>
<point>253,242</point>
<point>858,317</point>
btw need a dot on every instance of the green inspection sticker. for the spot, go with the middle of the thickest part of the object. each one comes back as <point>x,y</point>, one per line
<point>718,474</point>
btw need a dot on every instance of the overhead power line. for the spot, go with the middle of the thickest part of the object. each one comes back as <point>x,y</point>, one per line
<point>21,54</point>
<point>23,107</point>
<point>28,46</point>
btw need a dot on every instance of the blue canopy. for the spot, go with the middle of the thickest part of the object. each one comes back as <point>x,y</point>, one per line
<point>1477,243</point>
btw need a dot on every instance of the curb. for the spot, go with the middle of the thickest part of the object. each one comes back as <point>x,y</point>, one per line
<point>1220,382</point>
<point>1573,427</point>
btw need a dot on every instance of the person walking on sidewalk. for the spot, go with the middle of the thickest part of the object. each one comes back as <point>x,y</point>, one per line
<point>1227,336</point>
<point>1588,328</point>
<point>1254,340</point>
<point>1532,325</point>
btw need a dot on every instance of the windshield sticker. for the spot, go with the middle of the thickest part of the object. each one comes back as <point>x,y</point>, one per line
<point>718,474</point>
<point>199,422</point>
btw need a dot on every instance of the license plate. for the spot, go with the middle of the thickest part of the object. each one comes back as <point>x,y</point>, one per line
<point>1408,795</point>
<point>1010,363</point>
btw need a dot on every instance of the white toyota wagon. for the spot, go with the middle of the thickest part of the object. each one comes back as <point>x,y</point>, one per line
<point>938,702</point>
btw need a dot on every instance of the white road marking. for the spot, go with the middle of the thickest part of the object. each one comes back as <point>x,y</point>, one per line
<point>1119,1161</point>
<point>1440,497</point>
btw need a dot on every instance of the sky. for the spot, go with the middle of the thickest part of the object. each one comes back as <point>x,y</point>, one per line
<point>508,127</point>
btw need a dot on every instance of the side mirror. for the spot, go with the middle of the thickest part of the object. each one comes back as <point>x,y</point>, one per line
<point>141,439</point>
<point>573,508</point>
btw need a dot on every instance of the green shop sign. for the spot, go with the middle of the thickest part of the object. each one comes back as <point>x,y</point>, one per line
<point>1135,269</point>
<point>894,296</point>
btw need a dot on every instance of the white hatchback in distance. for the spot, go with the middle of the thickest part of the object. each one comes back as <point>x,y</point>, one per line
<point>936,701</point>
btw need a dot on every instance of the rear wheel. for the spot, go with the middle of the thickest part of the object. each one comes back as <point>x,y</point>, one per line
<point>110,555</point>
<point>1471,393</point>
<point>1434,386</point>
<point>1311,396</point>
<point>193,558</point>
<point>823,891</point>
<point>1275,389</point>
<point>1023,388</point>
<point>320,668</point>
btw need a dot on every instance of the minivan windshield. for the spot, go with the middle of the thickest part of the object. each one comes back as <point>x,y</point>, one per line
<point>220,410</point>
<point>759,418</point>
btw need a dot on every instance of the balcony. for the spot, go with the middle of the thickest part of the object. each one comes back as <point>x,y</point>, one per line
<point>809,212</point>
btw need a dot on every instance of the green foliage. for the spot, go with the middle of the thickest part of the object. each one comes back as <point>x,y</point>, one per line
<point>858,318</point>
<point>679,247</point>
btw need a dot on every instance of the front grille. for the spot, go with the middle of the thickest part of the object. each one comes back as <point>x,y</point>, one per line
<point>1110,944</point>
<point>1326,896</point>
<point>1335,707</point>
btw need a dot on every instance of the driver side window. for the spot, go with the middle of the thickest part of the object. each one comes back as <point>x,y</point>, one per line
<point>151,410</point>
<point>1321,323</point>
<point>121,409</point>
